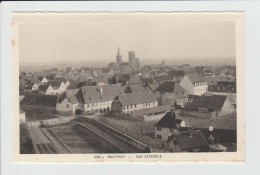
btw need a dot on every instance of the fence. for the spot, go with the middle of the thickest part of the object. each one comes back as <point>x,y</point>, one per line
<point>50,122</point>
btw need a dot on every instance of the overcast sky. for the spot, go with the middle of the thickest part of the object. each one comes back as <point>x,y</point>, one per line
<point>97,37</point>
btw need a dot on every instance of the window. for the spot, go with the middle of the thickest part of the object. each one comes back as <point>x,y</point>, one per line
<point>67,105</point>
<point>159,128</point>
<point>159,137</point>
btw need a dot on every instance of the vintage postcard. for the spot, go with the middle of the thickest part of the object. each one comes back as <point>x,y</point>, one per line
<point>131,87</point>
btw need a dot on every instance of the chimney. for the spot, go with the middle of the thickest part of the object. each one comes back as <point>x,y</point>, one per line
<point>101,90</point>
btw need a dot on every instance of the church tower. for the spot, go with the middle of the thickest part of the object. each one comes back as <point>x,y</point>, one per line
<point>118,57</point>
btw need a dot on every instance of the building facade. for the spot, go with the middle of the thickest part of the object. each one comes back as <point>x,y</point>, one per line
<point>194,84</point>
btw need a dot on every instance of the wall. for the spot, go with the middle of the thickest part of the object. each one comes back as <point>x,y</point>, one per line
<point>187,85</point>
<point>116,107</point>
<point>165,133</point>
<point>104,106</point>
<point>153,117</point>
<point>130,108</point>
<point>182,101</point>
<point>50,122</point>
<point>227,107</point>
<point>200,89</point>
<point>64,106</point>
<point>168,98</point>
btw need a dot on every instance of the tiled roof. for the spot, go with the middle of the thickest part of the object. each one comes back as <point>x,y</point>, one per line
<point>73,95</point>
<point>176,73</point>
<point>60,79</point>
<point>94,94</point>
<point>73,85</point>
<point>43,87</point>
<point>217,123</point>
<point>210,80</point>
<point>210,102</point>
<point>55,84</point>
<point>147,80</point>
<point>146,111</point>
<point>40,100</point>
<point>170,86</point>
<point>169,120</point>
<point>153,86</point>
<point>195,78</point>
<point>135,88</point>
<point>132,99</point>
<point>189,139</point>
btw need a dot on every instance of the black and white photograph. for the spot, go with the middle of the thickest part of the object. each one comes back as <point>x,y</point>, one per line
<point>129,86</point>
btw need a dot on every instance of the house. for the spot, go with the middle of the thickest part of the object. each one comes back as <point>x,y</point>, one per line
<point>172,93</point>
<point>226,88</point>
<point>194,84</point>
<point>210,106</point>
<point>223,129</point>
<point>146,81</point>
<point>167,125</point>
<point>100,81</point>
<point>108,73</point>
<point>42,89</point>
<point>208,72</point>
<point>175,75</point>
<point>134,79</point>
<point>125,67</point>
<point>66,82</point>
<point>127,103</point>
<point>123,78</point>
<point>152,87</point>
<point>71,101</point>
<point>100,98</point>
<point>73,85</point>
<point>213,80</point>
<point>43,79</point>
<point>151,114</point>
<point>135,88</point>
<point>188,141</point>
<point>97,73</point>
<point>55,87</point>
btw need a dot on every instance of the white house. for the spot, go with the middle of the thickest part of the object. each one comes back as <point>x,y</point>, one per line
<point>44,80</point>
<point>70,101</point>
<point>52,88</point>
<point>100,98</point>
<point>169,124</point>
<point>127,103</point>
<point>194,84</point>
